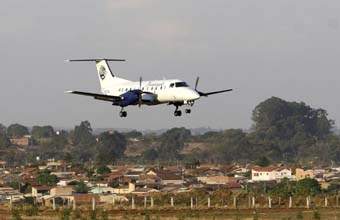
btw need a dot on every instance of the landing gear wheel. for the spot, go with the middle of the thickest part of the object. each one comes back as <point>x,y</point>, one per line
<point>123,114</point>
<point>178,113</point>
<point>188,111</point>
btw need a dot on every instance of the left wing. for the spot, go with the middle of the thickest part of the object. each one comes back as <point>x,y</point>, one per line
<point>212,93</point>
<point>102,97</point>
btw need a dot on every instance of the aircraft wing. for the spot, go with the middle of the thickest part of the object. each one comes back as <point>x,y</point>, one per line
<point>102,97</point>
<point>212,93</point>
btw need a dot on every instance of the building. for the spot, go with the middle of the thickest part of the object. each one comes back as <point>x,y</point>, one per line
<point>303,174</point>
<point>125,189</point>
<point>270,173</point>
<point>23,141</point>
<point>39,190</point>
<point>61,191</point>
<point>216,180</point>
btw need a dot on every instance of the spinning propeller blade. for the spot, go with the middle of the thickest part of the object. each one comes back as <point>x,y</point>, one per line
<point>140,92</point>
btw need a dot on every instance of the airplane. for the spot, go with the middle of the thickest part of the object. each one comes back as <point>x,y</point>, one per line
<point>121,92</point>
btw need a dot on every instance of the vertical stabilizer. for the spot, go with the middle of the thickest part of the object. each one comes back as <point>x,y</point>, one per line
<point>107,78</point>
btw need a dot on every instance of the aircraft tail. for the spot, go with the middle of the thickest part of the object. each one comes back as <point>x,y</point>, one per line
<point>106,77</point>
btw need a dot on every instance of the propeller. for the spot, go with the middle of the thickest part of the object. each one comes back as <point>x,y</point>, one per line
<point>196,84</point>
<point>140,92</point>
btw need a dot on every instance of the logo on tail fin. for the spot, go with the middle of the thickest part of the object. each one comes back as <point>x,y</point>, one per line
<point>102,72</point>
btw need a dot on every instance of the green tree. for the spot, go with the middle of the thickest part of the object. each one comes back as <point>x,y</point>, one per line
<point>81,187</point>
<point>82,134</point>
<point>283,189</point>
<point>46,178</point>
<point>306,187</point>
<point>172,142</point>
<point>263,161</point>
<point>17,131</point>
<point>4,140</point>
<point>42,132</point>
<point>133,134</point>
<point>111,147</point>
<point>150,154</point>
<point>103,170</point>
<point>286,129</point>
<point>232,145</point>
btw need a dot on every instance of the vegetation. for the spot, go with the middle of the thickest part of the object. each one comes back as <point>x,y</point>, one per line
<point>45,178</point>
<point>17,131</point>
<point>81,188</point>
<point>282,131</point>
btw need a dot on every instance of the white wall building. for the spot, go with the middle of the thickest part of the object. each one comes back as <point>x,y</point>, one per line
<point>270,173</point>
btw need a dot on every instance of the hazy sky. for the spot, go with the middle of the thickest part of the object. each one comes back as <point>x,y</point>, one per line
<point>262,48</point>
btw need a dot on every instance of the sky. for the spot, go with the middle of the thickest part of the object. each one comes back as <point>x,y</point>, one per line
<point>263,48</point>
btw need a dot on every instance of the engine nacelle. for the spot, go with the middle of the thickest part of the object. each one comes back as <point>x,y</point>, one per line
<point>129,98</point>
<point>148,97</point>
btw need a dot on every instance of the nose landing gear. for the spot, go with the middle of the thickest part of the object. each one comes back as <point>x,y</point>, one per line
<point>122,113</point>
<point>188,111</point>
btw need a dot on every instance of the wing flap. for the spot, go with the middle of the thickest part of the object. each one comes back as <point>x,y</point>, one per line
<point>102,97</point>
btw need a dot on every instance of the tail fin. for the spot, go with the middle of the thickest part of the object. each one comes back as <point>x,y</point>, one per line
<point>107,79</point>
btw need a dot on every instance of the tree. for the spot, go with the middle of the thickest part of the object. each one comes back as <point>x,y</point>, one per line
<point>4,140</point>
<point>172,142</point>
<point>283,189</point>
<point>103,170</point>
<point>17,131</point>
<point>42,132</point>
<point>284,128</point>
<point>150,154</point>
<point>133,134</point>
<point>307,187</point>
<point>263,161</point>
<point>45,178</point>
<point>82,134</point>
<point>232,145</point>
<point>111,147</point>
<point>81,187</point>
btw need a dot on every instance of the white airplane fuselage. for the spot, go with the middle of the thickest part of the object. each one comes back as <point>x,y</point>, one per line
<point>156,92</point>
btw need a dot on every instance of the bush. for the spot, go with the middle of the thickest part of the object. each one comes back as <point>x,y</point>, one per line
<point>65,214</point>
<point>15,214</point>
<point>31,210</point>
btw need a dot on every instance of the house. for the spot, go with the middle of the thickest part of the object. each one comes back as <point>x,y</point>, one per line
<point>102,190</point>
<point>125,189</point>
<point>40,190</point>
<point>22,141</point>
<point>270,173</point>
<point>144,191</point>
<point>7,193</point>
<point>61,191</point>
<point>168,177</point>
<point>216,180</point>
<point>2,164</point>
<point>303,174</point>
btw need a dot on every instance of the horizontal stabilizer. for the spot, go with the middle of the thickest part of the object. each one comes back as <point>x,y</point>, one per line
<point>94,60</point>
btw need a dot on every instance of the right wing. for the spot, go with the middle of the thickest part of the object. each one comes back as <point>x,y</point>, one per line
<point>212,93</point>
<point>108,98</point>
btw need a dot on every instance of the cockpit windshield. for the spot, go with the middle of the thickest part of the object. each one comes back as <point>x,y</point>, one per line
<point>181,84</point>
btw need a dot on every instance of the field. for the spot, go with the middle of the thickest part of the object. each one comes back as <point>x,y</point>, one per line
<point>178,214</point>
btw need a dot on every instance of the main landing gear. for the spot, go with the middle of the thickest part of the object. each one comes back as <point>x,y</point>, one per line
<point>178,113</point>
<point>122,113</point>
